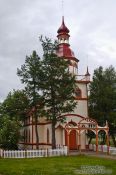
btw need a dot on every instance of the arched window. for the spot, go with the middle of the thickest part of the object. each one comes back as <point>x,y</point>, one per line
<point>25,135</point>
<point>48,139</point>
<point>78,93</point>
<point>29,136</point>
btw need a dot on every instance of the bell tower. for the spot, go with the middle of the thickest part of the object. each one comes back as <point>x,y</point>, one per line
<point>63,36</point>
<point>64,49</point>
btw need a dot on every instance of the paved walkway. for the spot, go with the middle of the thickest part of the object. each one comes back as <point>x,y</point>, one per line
<point>94,154</point>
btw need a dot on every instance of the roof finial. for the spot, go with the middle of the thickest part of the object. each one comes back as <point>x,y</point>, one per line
<point>63,28</point>
<point>63,20</point>
<point>62,7</point>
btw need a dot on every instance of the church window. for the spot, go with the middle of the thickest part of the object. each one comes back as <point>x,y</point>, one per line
<point>48,136</point>
<point>78,93</point>
<point>25,135</point>
<point>29,135</point>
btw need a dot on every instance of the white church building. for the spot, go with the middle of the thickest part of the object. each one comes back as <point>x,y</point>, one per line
<point>64,136</point>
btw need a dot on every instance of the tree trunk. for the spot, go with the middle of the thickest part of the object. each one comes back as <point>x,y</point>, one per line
<point>90,139</point>
<point>36,132</point>
<point>53,136</point>
<point>103,138</point>
<point>113,139</point>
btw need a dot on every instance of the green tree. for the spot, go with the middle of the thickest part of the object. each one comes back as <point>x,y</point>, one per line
<point>58,86</point>
<point>12,112</point>
<point>49,85</point>
<point>15,105</point>
<point>9,133</point>
<point>31,76</point>
<point>102,100</point>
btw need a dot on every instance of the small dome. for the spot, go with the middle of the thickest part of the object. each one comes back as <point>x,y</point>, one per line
<point>63,28</point>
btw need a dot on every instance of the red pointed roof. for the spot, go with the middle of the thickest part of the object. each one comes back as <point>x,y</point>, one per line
<point>63,28</point>
<point>64,49</point>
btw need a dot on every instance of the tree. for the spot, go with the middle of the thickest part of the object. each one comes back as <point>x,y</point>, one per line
<point>12,112</point>
<point>58,86</point>
<point>102,100</point>
<point>15,105</point>
<point>9,133</point>
<point>31,76</point>
<point>49,85</point>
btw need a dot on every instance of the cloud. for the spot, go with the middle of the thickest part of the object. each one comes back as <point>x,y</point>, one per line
<point>92,29</point>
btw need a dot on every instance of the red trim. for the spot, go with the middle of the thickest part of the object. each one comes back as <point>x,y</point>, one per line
<point>80,98</point>
<point>73,115</point>
<point>37,124</point>
<point>36,144</point>
<point>71,58</point>
<point>90,120</point>
<point>82,81</point>
<point>65,115</point>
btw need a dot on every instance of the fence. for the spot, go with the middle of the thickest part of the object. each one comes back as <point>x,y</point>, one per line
<point>103,148</point>
<point>33,153</point>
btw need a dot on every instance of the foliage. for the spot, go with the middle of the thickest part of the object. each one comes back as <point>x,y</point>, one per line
<point>15,105</point>
<point>32,76</point>
<point>9,133</point>
<point>102,100</point>
<point>58,86</point>
<point>48,84</point>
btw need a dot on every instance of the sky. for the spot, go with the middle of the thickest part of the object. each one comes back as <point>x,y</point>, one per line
<point>92,25</point>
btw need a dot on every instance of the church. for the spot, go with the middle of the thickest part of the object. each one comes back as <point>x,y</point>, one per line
<point>73,138</point>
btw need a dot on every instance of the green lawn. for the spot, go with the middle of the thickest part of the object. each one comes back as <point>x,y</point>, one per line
<point>57,166</point>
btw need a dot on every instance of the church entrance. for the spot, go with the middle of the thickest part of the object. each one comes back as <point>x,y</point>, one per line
<point>72,140</point>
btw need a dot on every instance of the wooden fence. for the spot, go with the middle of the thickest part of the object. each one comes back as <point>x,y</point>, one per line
<point>33,153</point>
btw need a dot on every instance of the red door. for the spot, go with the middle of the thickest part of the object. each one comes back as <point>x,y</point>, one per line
<point>72,140</point>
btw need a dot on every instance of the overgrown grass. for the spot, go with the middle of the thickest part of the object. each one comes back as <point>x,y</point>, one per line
<point>56,165</point>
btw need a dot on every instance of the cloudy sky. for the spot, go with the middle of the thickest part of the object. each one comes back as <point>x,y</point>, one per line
<point>92,25</point>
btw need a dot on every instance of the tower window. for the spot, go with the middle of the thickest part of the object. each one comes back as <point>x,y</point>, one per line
<point>78,93</point>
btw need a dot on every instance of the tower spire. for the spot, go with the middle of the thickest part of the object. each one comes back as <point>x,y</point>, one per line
<point>87,73</point>
<point>63,29</point>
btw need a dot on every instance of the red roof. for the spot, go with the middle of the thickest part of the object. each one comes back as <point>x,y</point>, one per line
<point>63,28</point>
<point>64,50</point>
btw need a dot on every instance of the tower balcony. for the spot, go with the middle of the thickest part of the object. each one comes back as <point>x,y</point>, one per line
<point>83,79</point>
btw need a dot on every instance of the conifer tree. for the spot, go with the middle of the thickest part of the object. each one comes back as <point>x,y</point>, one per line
<point>58,87</point>
<point>49,86</point>
<point>102,100</point>
<point>31,75</point>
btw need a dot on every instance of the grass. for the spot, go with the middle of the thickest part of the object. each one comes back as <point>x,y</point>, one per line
<point>56,165</point>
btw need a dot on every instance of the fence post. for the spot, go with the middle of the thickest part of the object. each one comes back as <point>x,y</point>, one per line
<point>25,153</point>
<point>1,153</point>
<point>102,148</point>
